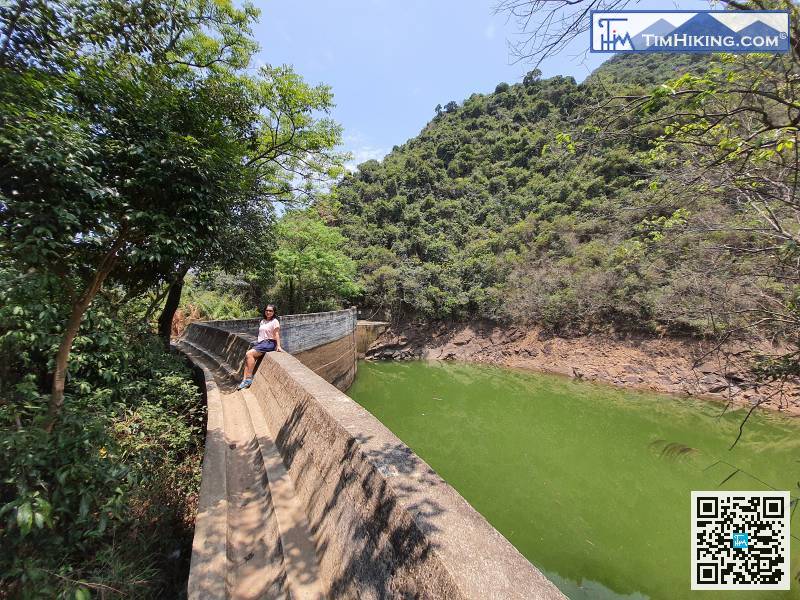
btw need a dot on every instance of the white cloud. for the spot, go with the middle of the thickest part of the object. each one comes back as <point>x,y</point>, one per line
<point>361,149</point>
<point>364,153</point>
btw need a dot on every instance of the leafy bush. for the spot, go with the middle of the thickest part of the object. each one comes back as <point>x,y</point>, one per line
<point>106,500</point>
<point>209,300</point>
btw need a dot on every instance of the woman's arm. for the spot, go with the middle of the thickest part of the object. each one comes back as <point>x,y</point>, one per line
<point>278,339</point>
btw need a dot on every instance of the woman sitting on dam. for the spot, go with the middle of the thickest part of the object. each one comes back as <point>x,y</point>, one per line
<point>269,339</point>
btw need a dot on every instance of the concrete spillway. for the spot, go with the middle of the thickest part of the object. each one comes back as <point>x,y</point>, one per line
<point>306,495</point>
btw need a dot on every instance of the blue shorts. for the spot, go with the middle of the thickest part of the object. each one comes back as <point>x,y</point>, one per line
<point>265,346</point>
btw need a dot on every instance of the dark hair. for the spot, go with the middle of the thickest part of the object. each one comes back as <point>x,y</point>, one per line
<point>274,310</point>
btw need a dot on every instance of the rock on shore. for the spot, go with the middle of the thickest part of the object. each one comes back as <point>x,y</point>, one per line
<point>678,366</point>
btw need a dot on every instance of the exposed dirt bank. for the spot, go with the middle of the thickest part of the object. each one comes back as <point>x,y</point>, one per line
<point>688,367</point>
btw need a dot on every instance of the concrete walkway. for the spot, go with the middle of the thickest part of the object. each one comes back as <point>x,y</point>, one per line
<point>305,494</point>
<point>269,550</point>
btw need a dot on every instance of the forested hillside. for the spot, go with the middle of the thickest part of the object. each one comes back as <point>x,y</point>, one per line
<point>573,205</point>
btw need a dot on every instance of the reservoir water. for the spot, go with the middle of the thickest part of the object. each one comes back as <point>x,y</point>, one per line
<point>591,483</point>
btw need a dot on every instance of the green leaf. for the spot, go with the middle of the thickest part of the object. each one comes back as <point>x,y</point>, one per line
<point>82,594</point>
<point>84,507</point>
<point>101,527</point>
<point>25,518</point>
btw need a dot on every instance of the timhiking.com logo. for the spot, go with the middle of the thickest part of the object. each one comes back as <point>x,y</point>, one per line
<point>690,31</point>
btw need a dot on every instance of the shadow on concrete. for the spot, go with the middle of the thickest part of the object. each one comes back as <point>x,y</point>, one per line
<point>373,536</point>
<point>237,550</point>
<point>383,523</point>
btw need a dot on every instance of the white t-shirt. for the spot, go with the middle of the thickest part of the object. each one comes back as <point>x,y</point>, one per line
<point>266,330</point>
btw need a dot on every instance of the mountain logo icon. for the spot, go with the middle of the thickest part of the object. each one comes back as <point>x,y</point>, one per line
<point>690,31</point>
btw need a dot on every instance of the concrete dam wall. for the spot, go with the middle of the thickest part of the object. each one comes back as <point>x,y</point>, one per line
<point>306,495</point>
<point>324,342</point>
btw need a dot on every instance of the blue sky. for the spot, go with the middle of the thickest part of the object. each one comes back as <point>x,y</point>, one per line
<point>391,62</point>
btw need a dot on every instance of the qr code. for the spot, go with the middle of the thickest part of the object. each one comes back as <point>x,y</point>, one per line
<point>740,540</point>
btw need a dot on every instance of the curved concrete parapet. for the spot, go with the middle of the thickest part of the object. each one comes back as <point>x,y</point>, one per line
<point>382,523</point>
<point>386,525</point>
<point>209,547</point>
<point>366,333</point>
<point>325,342</point>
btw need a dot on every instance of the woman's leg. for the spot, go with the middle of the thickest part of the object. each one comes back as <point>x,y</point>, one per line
<point>250,362</point>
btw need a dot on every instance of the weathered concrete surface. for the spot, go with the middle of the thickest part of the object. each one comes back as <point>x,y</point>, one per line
<point>255,566</point>
<point>382,522</point>
<point>386,525</point>
<point>300,332</point>
<point>335,361</point>
<point>252,537</point>
<point>325,342</point>
<point>366,333</point>
<point>209,547</point>
<point>298,546</point>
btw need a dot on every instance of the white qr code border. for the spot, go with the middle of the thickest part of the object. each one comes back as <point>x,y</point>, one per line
<point>782,523</point>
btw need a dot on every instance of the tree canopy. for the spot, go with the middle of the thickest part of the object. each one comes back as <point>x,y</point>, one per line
<point>135,149</point>
<point>137,145</point>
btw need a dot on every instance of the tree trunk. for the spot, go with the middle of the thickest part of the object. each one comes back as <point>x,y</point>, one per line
<point>173,301</point>
<point>79,308</point>
<point>154,305</point>
<point>22,6</point>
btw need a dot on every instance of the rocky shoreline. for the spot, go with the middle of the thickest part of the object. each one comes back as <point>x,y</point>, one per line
<point>669,365</point>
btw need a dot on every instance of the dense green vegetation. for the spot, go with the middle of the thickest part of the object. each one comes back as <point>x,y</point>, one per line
<point>491,209</point>
<point>311,270</point>
<point>137,148</point>
<point>106,501</point>
<point>302,268</point>
<point>614,204</point>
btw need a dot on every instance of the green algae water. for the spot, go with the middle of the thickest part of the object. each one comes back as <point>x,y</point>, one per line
<point>591,483</point>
